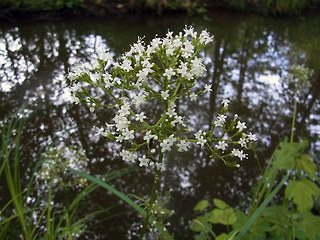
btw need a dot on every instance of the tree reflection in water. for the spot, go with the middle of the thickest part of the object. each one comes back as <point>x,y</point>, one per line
<point>246,64</point>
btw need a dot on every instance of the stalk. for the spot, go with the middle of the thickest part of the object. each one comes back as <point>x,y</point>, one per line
<point>152,199</point>
<point>294,117</point>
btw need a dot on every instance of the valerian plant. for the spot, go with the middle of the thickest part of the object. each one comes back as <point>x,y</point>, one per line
<point>293,218</point>
<point>162,72</point>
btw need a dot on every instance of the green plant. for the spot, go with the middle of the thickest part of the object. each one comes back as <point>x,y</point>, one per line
<point>158,74</point>
<point>293,218</point>
<point>60,222</point>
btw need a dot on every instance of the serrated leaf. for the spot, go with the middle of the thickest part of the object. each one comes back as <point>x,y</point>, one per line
<point>223,216</point>
<point>220,204</point>
<point>301,192</point>
<point>203,204</point>
<point>306,164</point>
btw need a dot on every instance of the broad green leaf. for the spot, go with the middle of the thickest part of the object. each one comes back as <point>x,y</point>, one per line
<point>220,204</point>
<point>222,236</point>
<point>223,216</point>
<point>200,224</point>
<point>201,237</point>
<point>301,192</point>
<point>305,163</point>
<point>310,225</point>
<point>241,219</point>
<point>287,153</point>
<point>203,204</point>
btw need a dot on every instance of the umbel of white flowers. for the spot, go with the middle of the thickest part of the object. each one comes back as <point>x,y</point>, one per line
<point>166,69</point>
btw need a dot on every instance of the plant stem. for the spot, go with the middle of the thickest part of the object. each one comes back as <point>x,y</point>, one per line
<point>152,199</point>
<point>294,117</point>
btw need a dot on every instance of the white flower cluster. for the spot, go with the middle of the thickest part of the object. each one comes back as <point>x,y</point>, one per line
<point>166,69</point>
<point>56,159</point>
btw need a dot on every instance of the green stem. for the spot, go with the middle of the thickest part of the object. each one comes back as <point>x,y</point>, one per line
<point>294,117</point>
<point>152,199</point>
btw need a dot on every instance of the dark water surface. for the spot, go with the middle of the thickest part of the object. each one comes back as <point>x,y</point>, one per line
<point>247,63</point>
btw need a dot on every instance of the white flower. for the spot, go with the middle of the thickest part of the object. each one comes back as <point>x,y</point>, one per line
<point>128,134</point>
<point>143,161</point>
<point>139,99</point>
<point>183,69</point>
<point>126,65</point>
<point>165,94</point>
<point>121,122</point>
<point>171,112</point>
<point>190,32</point>
<point>193,96</point>
<point>167,143</point>
<point>100,131</point>
<point>119,138</point>
<point>158,166</point>
<point>178,119</point>
<point>187,51</point>
<point>207,88</point>
<point>221,145</point>
<point>169,73</point>
<point>239,153</point>
<point>197,67</point>
<point>148,136</point>
<point>199,136</point>
<point>252,137</point>
<point>183,146</point>
<point>128,156</point>
<point>205,37</point>
<point>241,125</point>
<point>201,141</point>
<point>242,142</point>
<point>76,87</point>
<point>124,110</point>
<point>225,102</point>
<point>140,117</point>
<point>220,120</point>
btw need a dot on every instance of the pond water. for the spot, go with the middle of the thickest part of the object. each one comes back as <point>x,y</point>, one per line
<point>247,64</point>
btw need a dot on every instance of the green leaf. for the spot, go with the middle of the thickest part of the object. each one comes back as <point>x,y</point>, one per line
<point>200,224</point>
<point>200,237</point>
<point>301,192</point>
<point>306,164</point>
<point>310,225</point>
<point>203,204</point>
<point>222,236</point>
<point>220,204</point>
<point>287,153</point>
<point>225,216</point>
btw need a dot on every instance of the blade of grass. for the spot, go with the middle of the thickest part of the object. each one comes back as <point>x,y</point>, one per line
<point>110,188</point>
<point>122,196</point>
<point>257,213</point>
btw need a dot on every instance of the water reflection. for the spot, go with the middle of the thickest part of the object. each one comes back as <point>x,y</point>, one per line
<point>247,63</point>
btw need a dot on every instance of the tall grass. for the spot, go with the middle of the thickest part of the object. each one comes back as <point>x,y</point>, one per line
<point>43,220</point>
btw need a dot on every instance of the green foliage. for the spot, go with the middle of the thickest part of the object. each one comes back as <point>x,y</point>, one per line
<point>292,219</point>
<point>45,5</point>
<point>287,7</point>
<point>60,222</point>
<point>203,204</point>
<point>302,193</point>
